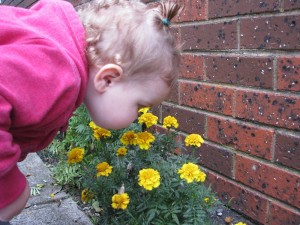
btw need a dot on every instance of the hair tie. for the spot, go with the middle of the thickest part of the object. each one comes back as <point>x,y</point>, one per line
<point>166,22</point>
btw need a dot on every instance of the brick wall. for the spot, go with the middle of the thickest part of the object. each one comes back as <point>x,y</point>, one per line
<point>240,88</point>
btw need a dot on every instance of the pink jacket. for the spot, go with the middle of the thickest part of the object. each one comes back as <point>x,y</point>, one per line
<point>43,76</point>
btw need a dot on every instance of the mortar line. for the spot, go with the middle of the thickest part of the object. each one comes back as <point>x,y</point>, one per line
<point>238,28</point>
<point>245,88</point>
<point>275,75</point>
<point>294,12</point>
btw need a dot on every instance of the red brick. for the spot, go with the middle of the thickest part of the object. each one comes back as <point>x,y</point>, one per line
<point>280,215</point>
<point>207,97</point>
<point>192,10</point>
<point>218,36</point>
<point>216,158</point>
<point>241,136</point>
<point>176,34</point>
<point>241,199</point>
<point>270,180</point>
<point>276,32</point>
<point>156,110</point>
<point>288,73</point>
<point>274,109</point>
<point>291,4</point>
<point>287,149</point>
<point>192,67</point>
<point>244,71</point>
<point>174,95</point>
<point>189,121</point>
<point>224,8</point>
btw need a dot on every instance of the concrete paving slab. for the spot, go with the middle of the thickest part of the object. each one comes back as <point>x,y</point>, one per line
<point>42,208</point>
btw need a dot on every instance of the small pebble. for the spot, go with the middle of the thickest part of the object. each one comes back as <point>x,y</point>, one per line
<point>219,212</point>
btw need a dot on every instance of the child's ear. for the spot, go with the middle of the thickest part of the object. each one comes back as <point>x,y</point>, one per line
<point>106,76</point>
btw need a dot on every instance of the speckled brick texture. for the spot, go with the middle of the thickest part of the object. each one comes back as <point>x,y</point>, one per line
<point>240,76</point>
<point>280,214</point>
<point>274,32</point>
<point>278,183</point>
<point>288,73</point>
<point>239,198</point>
<point>287,149</point>
<point>192,10</point>
<point>217,36</point>
<point>216,158</point>
<point>291,4</point>
<point>280,110</point>
<point>244,137</point>
<point>207,97</point>
<point>223,8</point>
<point>192,67</point>
<point>188,120</point>
<point>239,70</point>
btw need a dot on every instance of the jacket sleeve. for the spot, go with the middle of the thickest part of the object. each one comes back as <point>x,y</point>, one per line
<point>12,181</point>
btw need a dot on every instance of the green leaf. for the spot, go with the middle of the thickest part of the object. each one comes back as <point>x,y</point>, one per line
<point>151,213</point>
<point>175,218</point>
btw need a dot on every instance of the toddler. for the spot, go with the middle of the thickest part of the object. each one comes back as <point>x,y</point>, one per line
<point>114,56</point>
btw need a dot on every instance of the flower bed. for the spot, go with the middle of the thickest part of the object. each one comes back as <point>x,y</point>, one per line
<point>133,176</point>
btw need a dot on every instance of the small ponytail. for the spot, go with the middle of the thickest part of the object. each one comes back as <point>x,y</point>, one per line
<point>169,10</point>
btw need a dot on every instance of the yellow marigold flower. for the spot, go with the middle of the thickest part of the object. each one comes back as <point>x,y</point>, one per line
<point>193,140</point>
<point>129,138</point>
<point>103,169</point>
<point>191,172</point>
<point>201,177</point>
<point>240,223</point>
<point>99,132</point>
<point>92,125</point>
<point>120,201</point>
<point>144,139</point>
<point>144,110</point>
<point>207,200</point>
<point>149,178</point>
<point>121,151</point>
<point>75,155</point>
<point>86,196</point>
<point>169,122</point>
<point>149,119</point>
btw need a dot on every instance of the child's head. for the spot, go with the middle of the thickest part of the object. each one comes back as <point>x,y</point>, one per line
<point>129,44</point>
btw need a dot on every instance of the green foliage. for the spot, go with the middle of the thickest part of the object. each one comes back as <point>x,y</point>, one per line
<point>174,202</point>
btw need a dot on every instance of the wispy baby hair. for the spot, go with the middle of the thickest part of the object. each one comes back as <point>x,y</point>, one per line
<point>133,35</point>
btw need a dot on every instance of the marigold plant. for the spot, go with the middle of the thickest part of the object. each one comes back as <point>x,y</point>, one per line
<point>99,132</point>
<point>75,155</point>
<point>194,140</point>
<point>129,138</point>
<point>144,110</point>
<point>149,178</point>
<point>148,119</point>
<point>144,140</point>
<point>121,151</point>
<point>120,201</point>
<point>86,196</point>
<point>191,172</point>
<point>158,186</point>
<point>103,169</point>
<point>170,121</point>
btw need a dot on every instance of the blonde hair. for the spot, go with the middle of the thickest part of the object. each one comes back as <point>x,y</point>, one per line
<point>133,35</point>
